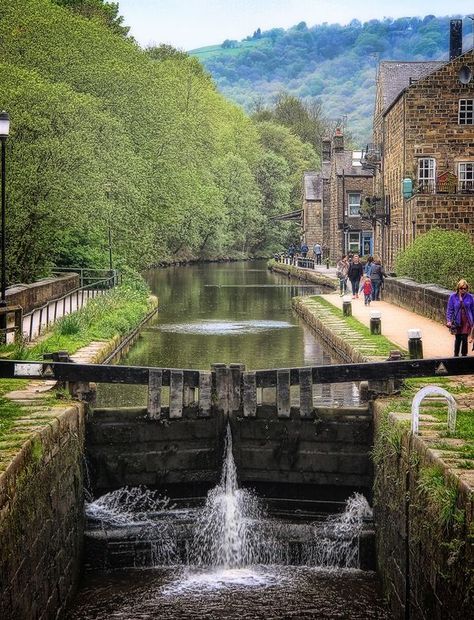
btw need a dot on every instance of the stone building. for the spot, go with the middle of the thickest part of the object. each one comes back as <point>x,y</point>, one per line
<point>332,199</point>
<point>423,133</point>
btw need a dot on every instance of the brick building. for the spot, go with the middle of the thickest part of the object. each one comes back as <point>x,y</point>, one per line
<point>423,132</point>
<point>332,199</point>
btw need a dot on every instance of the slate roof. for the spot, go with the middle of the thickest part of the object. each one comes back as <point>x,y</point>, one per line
<point>344,161</point>
<point>313,186</point>
<point>394,76</point>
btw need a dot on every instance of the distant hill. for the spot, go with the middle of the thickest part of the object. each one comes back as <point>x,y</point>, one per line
<point>329,62</point>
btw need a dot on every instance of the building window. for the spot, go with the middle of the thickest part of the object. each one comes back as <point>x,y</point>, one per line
<point>466,111</point>
<point>354,203</point>
<point>466,176</point>
<point>353,242</point>
<point>426,175</point>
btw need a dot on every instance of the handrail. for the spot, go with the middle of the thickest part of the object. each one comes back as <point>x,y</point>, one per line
<point>95,288</point>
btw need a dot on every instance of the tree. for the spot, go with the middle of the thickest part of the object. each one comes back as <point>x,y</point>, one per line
<point>101,11</point>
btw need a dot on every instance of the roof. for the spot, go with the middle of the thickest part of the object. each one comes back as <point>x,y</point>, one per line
<point>394,76</point>
<point>345,163</point>
<point>313,186</point>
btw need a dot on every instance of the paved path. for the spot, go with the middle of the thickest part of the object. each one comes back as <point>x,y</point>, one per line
<point>437,341</point>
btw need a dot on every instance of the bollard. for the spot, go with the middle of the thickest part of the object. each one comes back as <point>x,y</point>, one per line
<point>327,263</point>
<point>375,323</point>
<point>346,306</point>
<point>415,345</point>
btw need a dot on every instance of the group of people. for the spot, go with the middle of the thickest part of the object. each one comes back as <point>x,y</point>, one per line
<point>304,251</point>
<point>366,279</point>
<point>460,317</point>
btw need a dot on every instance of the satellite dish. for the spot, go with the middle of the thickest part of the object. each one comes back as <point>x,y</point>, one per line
<point>465,74</point>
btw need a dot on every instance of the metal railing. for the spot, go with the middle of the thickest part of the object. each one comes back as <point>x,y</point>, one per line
<point>88,276</point>
<point>39,319</point>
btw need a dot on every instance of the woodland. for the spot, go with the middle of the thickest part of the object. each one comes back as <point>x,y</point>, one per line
<point>108,136</point>
<point>327,64</point>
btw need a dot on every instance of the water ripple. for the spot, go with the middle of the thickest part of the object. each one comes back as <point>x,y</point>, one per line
<point>223,328</point>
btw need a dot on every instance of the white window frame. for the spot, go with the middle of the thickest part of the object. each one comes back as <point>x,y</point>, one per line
<point>353,245</point>
<point>351,206</point>
<point>466,176</point>
<point>466,112</point>
<point>426,174</point>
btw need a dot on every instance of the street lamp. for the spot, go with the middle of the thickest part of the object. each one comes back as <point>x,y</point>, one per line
<point>4,131</point>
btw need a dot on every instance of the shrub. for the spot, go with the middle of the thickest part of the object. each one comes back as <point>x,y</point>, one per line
<point>439,256</point>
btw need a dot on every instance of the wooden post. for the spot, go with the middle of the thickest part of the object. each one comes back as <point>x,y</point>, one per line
<point>221,388</point>
<point>205,394</point>
<point>249,396</point>
<point>306,392</point>
<point>235,378</point>
<point>283,393</point>
<point>176,393</point>
<point>155,383</point>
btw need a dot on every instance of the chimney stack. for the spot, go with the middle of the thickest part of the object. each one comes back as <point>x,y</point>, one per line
<point>338,141</point>
<point>326,149</point>
<point>455,38</point>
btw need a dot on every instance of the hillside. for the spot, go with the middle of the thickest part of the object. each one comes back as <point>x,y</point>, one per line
<point>331,63</point>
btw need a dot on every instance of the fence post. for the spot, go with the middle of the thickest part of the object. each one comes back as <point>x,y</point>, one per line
<point>221,388</point>
<point>235,380</point>
<point>205,393</point>
<point>155,382</point>
<point>283,393</point>
<point>176,393</point>
<point>249,396</point>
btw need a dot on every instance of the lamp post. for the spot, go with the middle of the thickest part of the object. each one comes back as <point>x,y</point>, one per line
<point>4,131</point>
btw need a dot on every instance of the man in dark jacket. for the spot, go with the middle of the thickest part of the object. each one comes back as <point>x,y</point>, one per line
<point>355,274</point>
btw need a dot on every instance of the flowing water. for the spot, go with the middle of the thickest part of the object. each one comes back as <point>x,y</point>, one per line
<point>228,558</point>
<point>238,562</point>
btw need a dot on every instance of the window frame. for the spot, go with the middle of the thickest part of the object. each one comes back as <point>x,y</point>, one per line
<point>466,177</point>
<point>466,112</point>
<point>350,243</point>
<point>351,206</point>
<point>426,182</point>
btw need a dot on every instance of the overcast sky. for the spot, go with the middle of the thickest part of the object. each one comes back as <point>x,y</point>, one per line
<point>188,24</point>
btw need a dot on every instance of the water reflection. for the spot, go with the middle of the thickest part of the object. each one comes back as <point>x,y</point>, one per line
<point>226,313</point>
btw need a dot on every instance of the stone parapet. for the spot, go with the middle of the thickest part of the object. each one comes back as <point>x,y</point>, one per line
<point>35,295</point>
<point>427,300</point>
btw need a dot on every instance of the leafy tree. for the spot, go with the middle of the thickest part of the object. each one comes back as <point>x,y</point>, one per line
<point>104,12</point>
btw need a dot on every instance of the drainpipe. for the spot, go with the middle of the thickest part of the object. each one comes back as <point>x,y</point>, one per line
<point>343,212</point>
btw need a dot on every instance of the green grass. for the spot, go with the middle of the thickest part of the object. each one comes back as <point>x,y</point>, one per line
<point>374,346</point>
<point>103,318</point>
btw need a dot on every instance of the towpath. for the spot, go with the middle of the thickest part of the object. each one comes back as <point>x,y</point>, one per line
<point>396,321</point>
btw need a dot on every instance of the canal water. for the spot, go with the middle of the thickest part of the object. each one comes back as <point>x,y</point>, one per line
<point>228,313</point>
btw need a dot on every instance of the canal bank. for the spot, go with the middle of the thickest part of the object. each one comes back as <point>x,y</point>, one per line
<point>42,493</point>
<point>424,485</point>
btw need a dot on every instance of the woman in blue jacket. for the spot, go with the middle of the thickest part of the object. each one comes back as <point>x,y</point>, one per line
<point>460,316</point>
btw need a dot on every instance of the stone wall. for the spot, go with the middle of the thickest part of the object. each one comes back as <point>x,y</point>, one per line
<point>427,300</point>
<point>35,295</point>
<point>41,520</point>
<point>426,565</point>
<point>329,449</point>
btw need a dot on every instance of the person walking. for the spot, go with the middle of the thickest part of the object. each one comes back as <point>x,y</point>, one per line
<point>368,265</point>
<point>366,288</point>
<point>377,274</point>
<point>304,249</point>
<point>460,316</point>
<point>342,268</point>
<point>355,274</point>
<point>317,251</point>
